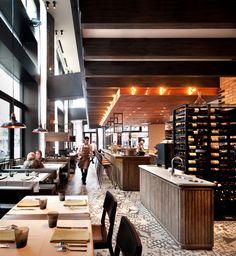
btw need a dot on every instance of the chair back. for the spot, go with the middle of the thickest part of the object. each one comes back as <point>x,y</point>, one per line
<point>109,208</point>
<point>127,240</point>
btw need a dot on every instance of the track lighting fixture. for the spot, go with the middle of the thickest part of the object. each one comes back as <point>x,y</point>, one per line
<point>61,32</point>
<point>56,31</point>
<point>47,4</point>
<point>54,4</point>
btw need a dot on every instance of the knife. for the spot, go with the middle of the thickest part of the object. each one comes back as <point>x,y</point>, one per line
<point>4,246</point>
<point>77,250</point>
<point>72,227</point>
<point>24,209</point>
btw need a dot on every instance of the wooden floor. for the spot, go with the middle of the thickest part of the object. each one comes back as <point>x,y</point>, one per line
<point>75,186</point>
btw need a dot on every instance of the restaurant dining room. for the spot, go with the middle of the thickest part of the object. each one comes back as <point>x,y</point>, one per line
<point>117,127</point>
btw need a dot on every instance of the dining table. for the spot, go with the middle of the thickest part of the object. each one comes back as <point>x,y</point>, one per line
<point>18,179</point>
<point>74,216</point>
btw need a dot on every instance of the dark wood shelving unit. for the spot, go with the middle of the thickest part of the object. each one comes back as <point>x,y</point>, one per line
<point>205,138</point>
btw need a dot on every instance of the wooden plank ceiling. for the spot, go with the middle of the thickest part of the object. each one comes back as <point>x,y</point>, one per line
<point>165,46</point>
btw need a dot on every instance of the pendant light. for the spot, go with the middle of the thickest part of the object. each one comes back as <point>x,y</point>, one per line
<point>40,129</point>
<point>12,123</point>
<point>199,100</point>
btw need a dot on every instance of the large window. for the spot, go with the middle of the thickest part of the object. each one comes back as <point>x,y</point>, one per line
<point>17,137</point>
<point>6,86</point>
<point>4,116</point>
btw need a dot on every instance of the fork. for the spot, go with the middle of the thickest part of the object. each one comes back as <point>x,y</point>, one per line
<point>67,248</point>
<point>62,244</point>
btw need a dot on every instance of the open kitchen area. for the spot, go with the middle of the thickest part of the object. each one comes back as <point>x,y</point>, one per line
<point>117,127</point>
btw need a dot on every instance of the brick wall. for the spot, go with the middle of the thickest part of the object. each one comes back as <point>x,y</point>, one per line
<point>228,90</point>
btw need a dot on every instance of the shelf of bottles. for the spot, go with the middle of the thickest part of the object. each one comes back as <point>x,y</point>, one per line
<point>205,138</point>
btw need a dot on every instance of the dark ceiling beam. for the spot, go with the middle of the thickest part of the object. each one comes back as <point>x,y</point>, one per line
<point>171,48</point>
<point>66,86</point>
<point>98,100</point>
<point>183,13</point>
<point>99,92</point>
<point>100,83</point>
<point>165,68</point>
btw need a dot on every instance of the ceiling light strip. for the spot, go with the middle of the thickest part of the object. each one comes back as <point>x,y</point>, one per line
<point>109,108</point>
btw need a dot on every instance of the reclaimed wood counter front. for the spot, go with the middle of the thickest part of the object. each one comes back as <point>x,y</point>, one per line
<point>183,205</point>
<point>125,170</point>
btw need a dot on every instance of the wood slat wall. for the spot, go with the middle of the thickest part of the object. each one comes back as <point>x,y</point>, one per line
<point>185,212</point>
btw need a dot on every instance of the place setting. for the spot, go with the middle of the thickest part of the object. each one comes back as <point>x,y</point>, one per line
<point>68,238</point>
<point>31,204</point>
<point>3,176</point>
<point>12,236</point>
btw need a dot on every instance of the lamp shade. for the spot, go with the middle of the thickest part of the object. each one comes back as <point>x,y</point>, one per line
<point>40,129</point>
<point>13,123</point>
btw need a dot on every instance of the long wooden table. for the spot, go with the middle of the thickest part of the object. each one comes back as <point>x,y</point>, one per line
<point>39,232</point>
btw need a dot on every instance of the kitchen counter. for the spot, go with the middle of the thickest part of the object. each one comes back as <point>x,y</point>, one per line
<point>182,204</point>
<point>124,169</point>
<point>177,179</point>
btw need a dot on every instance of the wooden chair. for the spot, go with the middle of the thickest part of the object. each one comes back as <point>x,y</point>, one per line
<point>127,240</point>
<point>102,237</point>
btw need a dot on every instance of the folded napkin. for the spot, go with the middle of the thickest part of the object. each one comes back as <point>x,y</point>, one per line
<point>28,178</point>
<point>7,236</point>
<point>28,203</point>
<point>70,235</point>
<point>75,202</point>
<point>3,177</point>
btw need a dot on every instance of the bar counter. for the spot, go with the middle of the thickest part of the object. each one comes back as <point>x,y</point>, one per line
<point>182,204</point>
<point>124,169</point>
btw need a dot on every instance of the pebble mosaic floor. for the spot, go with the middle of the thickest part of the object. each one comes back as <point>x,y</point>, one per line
<point>155,240</point>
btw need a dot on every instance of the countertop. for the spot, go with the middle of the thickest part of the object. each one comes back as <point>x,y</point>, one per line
<point>121,155</point>
<point>177,179</point>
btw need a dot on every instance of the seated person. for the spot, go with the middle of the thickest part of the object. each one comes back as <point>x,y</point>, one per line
<point>32,162</point>
<point>38,156</point>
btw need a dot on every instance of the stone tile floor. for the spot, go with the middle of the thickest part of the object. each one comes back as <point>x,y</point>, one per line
<point>155,240</point>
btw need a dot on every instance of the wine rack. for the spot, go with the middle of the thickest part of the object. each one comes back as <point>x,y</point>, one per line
<point>205,138</point>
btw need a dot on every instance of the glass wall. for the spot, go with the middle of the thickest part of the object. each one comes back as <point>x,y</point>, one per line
<point>17,136</point>
<point>13,89</point>
<point>4,116</point>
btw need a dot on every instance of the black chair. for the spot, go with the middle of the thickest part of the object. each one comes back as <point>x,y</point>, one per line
<point>102,238</point>
<point>127,240</point>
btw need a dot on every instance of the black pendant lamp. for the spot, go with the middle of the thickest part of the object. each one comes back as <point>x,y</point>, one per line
<point>13,123</point>
<point>40,128</point>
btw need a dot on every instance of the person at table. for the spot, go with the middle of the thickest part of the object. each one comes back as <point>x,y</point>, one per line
<point>140,148</point>
<point>32,162</point>
<point>84,153</point>
<point>39,156</point>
